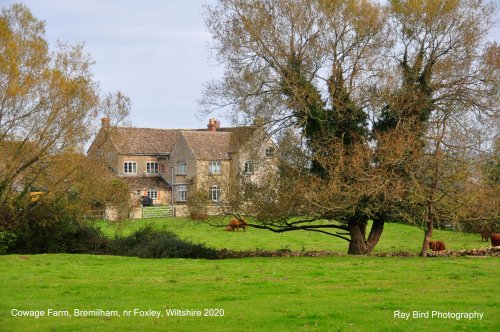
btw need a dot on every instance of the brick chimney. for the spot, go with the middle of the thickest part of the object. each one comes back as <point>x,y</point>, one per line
<point>105,123</point>
<point>213,125</point>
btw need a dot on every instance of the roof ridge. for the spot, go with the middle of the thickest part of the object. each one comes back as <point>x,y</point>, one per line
<point>169,129</point>
<point>205,131</point>
<point>198,130</point>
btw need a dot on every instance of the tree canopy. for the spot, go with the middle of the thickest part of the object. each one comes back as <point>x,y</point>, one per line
<point>49,103</point>
<point>389,104</point>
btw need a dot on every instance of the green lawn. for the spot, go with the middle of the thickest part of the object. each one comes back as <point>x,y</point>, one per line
<point>396,237</point>
<point>257,294</point>
<point>338,293</point>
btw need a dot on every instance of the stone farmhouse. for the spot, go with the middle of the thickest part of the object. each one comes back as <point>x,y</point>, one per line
<point>167,165</point>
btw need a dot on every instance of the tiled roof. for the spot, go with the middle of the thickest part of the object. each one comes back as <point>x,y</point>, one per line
<point>145,182</point>
<point>129,140</point>
<point>207,145</point>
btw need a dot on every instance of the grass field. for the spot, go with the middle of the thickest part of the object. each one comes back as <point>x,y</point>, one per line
<point>338,293</point>
<point>395,237</point>
<point>257,294</point>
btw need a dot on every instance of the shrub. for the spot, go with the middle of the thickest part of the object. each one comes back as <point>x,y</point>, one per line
<point>149,242</point>
<point>7,241</point>
<point>55,228</point>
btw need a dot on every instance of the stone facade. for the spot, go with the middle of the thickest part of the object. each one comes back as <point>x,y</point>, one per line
<point>170,164</point>
<point>184,166</point>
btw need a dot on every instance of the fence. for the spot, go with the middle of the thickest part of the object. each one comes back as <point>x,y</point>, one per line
<point>157,211</point>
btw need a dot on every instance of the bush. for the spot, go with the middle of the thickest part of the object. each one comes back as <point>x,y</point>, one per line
<point>7,241</point>
<point>62,237</point>
<point>149,242</point>
<point>56,229</point>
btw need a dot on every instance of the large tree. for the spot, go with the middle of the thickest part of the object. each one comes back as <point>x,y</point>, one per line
<point>49,101</point>
<point>447,97</point>
<point>304,64</point>
<point>358,82</point>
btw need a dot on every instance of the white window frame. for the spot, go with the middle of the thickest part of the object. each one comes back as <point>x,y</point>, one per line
<point>181,193</point>
<point>181,168</point>
<point>153,193</point>
<point>214,193</point>
<point>214,167</point>
<point>152,167</point>
<point>248,168</point>
<point>129,167</point>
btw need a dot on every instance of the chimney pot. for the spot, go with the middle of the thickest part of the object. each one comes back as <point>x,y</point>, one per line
<point>213,124</point>
<point>105,123</point>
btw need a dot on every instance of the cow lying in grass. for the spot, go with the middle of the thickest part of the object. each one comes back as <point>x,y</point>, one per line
<point>437,245</point>
<point>237,224</point>
<point>495,239</point>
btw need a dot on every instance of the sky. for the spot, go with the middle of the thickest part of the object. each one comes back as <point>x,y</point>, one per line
<point>154,51</point>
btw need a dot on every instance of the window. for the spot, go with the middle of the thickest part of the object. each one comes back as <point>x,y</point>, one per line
<point>152,167</point>
<point>130,167</point>
<point>153,194</point>
<point>214,193</point>
<point>269,152</point>
<point>248,167</point>
<point>181,168</point>
<point>181,193</point>
<point>214,167</point>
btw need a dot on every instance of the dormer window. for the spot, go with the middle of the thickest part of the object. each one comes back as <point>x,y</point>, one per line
<point>214,167</point>
<point>130,167</point>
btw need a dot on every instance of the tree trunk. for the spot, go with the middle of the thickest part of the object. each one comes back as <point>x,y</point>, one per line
<point>427,238</point>
<point>428,229</point>
<point>375,234</point>
<point>358,244</point>
<point>357,230</point>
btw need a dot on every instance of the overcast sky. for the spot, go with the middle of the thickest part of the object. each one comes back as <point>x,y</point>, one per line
<point>154,51</point>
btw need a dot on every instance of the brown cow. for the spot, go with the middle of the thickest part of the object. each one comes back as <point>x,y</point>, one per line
<point>485,235</point>
<point>437,245</point>
<point>495,239</point>
<point>237,224</point>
